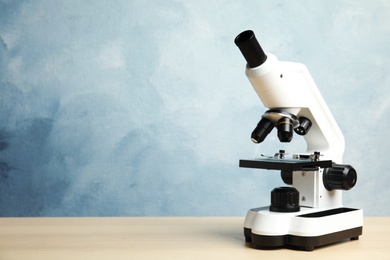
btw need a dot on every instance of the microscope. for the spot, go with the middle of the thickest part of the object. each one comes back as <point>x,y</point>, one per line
<point>307,213</point>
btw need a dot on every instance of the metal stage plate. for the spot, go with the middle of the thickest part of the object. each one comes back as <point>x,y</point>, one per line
<point>285,164</point>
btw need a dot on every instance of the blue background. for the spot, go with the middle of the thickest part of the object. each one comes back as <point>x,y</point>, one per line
<point>142,108</point>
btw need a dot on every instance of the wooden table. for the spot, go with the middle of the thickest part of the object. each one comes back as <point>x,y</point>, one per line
<point>165,238</point>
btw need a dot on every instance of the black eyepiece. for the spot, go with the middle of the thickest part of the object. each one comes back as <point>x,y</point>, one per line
<point>263,128</point>
<point>250,48</point>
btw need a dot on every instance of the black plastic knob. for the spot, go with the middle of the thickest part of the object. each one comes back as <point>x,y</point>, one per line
<point>339,177</point>
<point>284,199</point>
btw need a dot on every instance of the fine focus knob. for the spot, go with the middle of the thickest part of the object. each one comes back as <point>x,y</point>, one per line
<point>339,177</point>
<point>284,199</point>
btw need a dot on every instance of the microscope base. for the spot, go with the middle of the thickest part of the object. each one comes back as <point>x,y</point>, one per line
<point>305,230</point>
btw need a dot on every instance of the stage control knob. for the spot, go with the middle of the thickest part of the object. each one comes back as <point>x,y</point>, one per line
<point>339,177</point>
<point>284,199</point>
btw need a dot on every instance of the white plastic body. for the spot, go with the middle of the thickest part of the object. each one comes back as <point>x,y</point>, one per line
<point>267,223</point>
<point>289,86</point>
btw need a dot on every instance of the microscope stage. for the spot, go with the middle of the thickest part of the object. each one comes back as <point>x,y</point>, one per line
<point>285,164</point>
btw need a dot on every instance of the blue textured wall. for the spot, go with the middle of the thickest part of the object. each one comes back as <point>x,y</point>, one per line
<point>142,107</point>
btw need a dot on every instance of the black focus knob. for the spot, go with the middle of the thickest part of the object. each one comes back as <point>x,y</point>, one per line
<point>339,177</point>
<point>284,199</point>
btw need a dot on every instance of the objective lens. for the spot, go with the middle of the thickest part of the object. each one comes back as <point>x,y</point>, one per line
<point>339,177</point>
<point>304,126</point>
<point>263,128</point>
<point>285,129</point>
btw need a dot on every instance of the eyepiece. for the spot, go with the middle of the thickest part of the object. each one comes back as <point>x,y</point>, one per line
<point>250,48</point>
<point>263,128</point>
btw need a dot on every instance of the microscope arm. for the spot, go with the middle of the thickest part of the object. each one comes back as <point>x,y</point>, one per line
<point>289,87</point>
<point>291,94</point>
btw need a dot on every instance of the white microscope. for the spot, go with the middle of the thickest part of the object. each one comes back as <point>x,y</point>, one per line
<point>308,213</point>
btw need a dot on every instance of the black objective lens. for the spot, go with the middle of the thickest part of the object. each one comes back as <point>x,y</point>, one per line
<point>263,128</point>
<point>285,129</point>
<point>250,48</point>
<point>304,126</point>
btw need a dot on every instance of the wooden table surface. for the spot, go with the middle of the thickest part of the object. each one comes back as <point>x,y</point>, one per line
<point>166,238</point>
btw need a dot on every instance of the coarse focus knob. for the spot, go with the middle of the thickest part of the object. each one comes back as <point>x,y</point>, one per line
<point>339,177</point>
<point>284,199</point>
